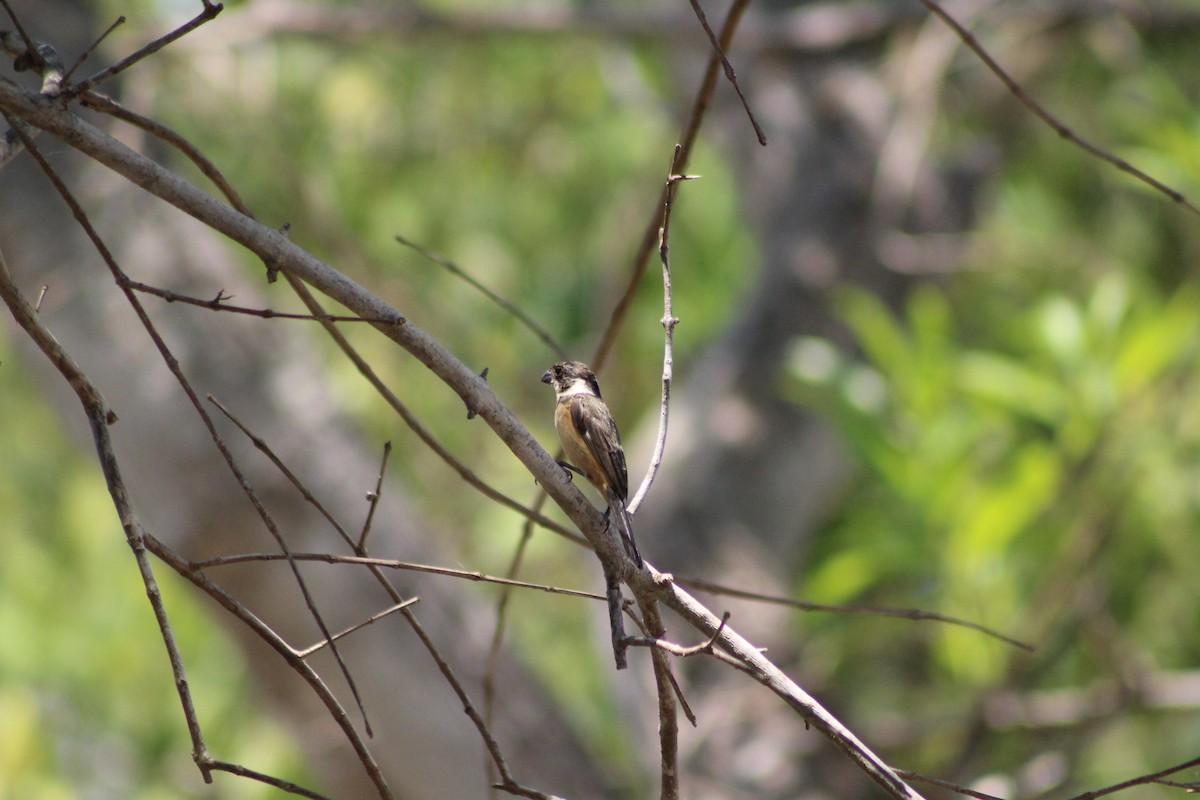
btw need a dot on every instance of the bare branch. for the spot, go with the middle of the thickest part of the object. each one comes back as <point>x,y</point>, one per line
<point>210,11</point>
<point>650,238</point>
<point>99,418</point>
<point>1045,116</point>
<point>155,128</point>
<point>730,75</point>
<point>219,303</point>
<point>942,784</point>
<point>766,673</point>
<point>269,780</point>
<point>804,605</point>
<point>390,563</point>
<point>526,320</point>
<point>173,365</point>
<point>387,612</point>
<point>118,22</point>
<point>669,321</point>
<point>373,498</point>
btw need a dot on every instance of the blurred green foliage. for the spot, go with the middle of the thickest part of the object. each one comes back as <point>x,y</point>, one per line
<point>88,707</point>
<point>1029,430</point>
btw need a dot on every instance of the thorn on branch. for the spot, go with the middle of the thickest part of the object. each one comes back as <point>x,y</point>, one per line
<point>471,411</point>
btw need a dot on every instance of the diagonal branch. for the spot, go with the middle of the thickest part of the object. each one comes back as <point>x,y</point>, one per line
<point>1045,116</point>
<point>279,252</point>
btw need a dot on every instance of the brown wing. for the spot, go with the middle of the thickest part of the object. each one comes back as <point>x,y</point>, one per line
<point>596,427</point>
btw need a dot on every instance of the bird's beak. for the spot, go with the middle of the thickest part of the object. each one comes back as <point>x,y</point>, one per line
<point>546,376</point>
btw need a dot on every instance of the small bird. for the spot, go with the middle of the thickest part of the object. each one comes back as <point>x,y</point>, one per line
<point>590,439</point>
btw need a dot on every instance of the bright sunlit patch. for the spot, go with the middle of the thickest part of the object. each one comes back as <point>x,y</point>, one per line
<point>813,359</point>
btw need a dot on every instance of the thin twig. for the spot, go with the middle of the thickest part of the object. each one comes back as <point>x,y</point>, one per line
<point>669,321</point>
<point>185,569</point>
<point>211,10</point>
<point>387,612</point>
<point>944,784</point>
<point>173,365</point>
<point>109,106</point>
<point>118,22</point>
<point>220,303</point>
<point>275,249</point>
<point>391,563</point>
<point>1141,780</point>
<point>1045,116</point>
<point>99,418</point>
<point>531,324</point>
<point>502,606</point>
<point>373,498</point>
<point>263,447</point>
<point>768,674</point>
<point>665,688</point>
<point>650,238</point>
<point>804,605</point>
<point>730,75</point>
<point>423,433</point>
<point>269,780</point>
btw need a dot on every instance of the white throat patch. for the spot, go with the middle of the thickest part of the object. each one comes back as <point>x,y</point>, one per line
<point>578,386</point>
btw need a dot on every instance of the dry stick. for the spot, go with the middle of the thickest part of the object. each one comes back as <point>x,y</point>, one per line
<point>1045,116</point>
<point>665,687</point>
<point>765,672</point>
<point>373,498</point>
<point>99,418</point>
<point>391,563</point>
<point>729,73</point>
<point>186,569</point>
<point>944,784</point>
<point>427,437</point>
<point>1139,781</point>
<point>669,321</point>
<point>532,515</point>
<point>31,47</point>
<point>210,170</point>
<point>118,22</point>
<point>219,303</point>
<point>275,249</point>
<point>665,684</point>
<point>270,780</point>
<point>650,239</point>
<point>211,10</point>
<point>387,612</point>
<point>534,328</point>
<point>641,259</point>
<point>264,448</point>
<point>803,605</point>
<point>107,105</point>
<point>173,365</point>
<point>361,551</point>
<point>705,648</point>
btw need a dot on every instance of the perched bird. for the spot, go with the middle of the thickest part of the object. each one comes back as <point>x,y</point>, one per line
<point>591,441</point>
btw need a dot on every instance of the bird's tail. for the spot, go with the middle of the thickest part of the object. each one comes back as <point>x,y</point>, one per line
<point>624,524</point>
